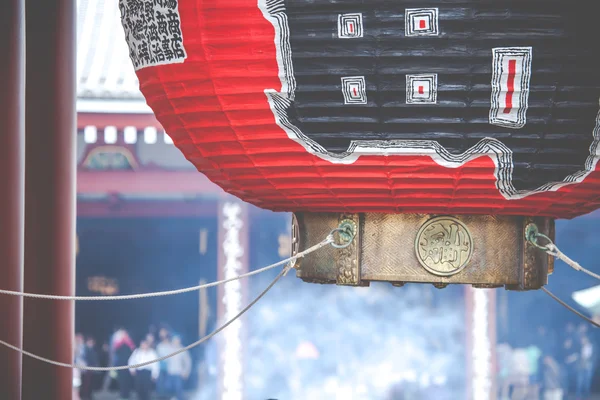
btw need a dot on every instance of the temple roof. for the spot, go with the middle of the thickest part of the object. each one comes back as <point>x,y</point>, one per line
<point>106,81</point>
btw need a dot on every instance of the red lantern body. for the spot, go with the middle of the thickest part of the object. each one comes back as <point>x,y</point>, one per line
<point>439,134</point>
<point>216,72</point>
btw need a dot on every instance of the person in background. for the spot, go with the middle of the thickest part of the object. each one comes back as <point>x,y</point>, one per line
<point>109,376</point>
<point>534,353</point>
<point>548,343</point>
<point>585,367</point>
<point>552,379</point>
<point>153,330</point>
<point>123,348</point>
<point>91,360</point>
<point>144,376</point>
<point>78,351</point>
<point>79,347</point>
<point>112,375</point>
<point>570,349</point>
<point>504,357</point>
<point>104,359</point>
<point>151,340</point>
<point>517,384</point>
<point>162,349</point>
<point>179,368</point>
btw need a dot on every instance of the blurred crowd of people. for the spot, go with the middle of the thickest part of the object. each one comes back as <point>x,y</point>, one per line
<point>166,378</point>
<point>555,366</point>
<point>379,343</point>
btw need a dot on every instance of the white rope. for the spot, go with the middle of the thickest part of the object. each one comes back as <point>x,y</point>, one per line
<point>555,252</point>
<point>283,272</point>
<point>325,242</point>
<point>568,307</point>
<point>124,367</point>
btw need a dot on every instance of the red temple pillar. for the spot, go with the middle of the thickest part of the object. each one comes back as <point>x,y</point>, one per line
<point>49,196</point>
<point>12,178</point>
<point>233,260</point>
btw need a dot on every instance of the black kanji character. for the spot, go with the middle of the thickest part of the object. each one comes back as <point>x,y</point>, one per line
<point>166,46</point>
<point>159,56</point>
<point>149,12</point>
<point>176,45</point>
<point>139,30</point>
<point>143,52</point>
<point>162,23</point>
<point>173,23</point>
<point>153,32</point>
<point>136,7</point>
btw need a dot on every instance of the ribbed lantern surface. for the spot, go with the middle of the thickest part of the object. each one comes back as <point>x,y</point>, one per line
<point>462,107</point>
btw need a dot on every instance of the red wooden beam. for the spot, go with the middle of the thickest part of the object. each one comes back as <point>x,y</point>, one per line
<point>145,182</point>
<point>50,148</point>
<point>120,121</point>
<point>12,180</point>
<point>145,209</point>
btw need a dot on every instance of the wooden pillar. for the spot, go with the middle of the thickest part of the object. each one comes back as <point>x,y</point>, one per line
<point>49,196</point>
<point>233,260</point>
<point>12,180</point>
<point>480,307</point>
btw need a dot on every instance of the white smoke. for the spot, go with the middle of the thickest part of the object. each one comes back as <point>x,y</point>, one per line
<point>324,342</point>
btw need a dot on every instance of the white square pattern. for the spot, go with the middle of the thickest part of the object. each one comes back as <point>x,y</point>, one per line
<point>350,26</point>
<point>421,89</point>
<point>422,22</point>
<point>354,90</point>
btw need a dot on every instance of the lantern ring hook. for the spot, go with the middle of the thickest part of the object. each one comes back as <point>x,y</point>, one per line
<point>346,233</point>
<point>533,234</point>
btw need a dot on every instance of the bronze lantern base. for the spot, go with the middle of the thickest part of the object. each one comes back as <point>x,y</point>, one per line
<point>481,250</point>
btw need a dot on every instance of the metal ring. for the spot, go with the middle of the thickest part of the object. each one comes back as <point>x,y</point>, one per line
<point>532,234</point>
<point>343,230</point>
<point>545,248</point>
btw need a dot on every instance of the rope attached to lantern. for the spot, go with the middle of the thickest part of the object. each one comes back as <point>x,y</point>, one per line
<point>186,348</point>
<point>346,237</point>
<point>345,240</point>
<point>568,307</point>
<point>532,234</point>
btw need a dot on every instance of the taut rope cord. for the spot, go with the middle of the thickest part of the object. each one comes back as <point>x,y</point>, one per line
<point>284,271</point>
<point>568,307</point>
<point>186,348</point>
<point>168,292</point>
<point>533,235</point>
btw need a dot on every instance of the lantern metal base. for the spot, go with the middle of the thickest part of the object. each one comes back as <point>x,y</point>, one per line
<point>482,250</point>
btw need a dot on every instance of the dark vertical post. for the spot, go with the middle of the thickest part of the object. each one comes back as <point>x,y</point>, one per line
<point>49,195</point>
<point>12,179</point>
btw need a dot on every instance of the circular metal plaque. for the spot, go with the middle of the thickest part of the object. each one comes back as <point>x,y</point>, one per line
<point>444,246</point>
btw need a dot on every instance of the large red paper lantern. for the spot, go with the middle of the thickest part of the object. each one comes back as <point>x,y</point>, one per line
<point>354,107</point>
